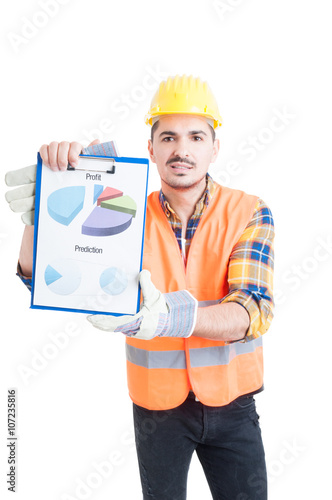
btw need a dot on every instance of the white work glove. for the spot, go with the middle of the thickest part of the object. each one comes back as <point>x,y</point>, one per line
<point>164,315</point>
<point>22,199</point>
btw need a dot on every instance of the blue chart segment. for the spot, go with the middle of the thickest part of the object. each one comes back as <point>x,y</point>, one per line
<point>98,189</point>
<point>62,277</point>
<point>51,275</point>
<point>64,204</point>
<point>113,281</point>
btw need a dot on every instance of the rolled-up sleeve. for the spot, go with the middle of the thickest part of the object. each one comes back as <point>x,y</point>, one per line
<point>27,280</point>
<point>250,272</point>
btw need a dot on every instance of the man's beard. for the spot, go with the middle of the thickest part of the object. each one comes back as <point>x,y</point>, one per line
<point>184,186</point>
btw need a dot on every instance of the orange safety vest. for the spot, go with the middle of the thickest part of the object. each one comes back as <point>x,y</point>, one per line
<point>162,370</point>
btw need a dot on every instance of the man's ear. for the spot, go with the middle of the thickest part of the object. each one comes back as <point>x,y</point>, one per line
<point>216,147</point>
<point>150,149</point>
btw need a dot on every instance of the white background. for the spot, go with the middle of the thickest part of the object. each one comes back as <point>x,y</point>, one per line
<point>89,69</point>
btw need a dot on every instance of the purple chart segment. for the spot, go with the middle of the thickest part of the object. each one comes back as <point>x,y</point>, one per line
<point>104,222</point>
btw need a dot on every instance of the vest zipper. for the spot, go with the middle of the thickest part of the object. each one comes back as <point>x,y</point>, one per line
<point>183,250</point>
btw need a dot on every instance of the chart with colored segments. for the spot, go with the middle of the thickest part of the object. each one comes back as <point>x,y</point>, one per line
<point>63,277</point>
<point>89,234</point>
<point>112,215</point>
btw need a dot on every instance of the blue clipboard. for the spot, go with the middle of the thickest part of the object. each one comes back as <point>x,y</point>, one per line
<point>89,235</point>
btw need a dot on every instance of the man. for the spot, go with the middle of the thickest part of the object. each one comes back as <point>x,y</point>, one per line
<point>194,352</point>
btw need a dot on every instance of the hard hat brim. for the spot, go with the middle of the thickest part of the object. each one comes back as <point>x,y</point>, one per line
<point>149,117</point>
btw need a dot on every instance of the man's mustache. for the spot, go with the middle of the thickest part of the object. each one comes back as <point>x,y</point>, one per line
<point>176,159</point>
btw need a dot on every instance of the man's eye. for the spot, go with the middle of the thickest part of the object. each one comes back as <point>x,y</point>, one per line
<point>197,138</point>
<point>168,139</point>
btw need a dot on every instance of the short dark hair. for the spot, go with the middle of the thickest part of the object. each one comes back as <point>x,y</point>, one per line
<point>213,132</point>
<point>156,124</point>
<point>154,128</point>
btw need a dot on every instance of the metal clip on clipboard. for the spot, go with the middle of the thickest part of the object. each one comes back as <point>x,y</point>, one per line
<point>109,170</point>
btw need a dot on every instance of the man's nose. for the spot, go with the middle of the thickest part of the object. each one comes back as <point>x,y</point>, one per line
<point>181,148</point>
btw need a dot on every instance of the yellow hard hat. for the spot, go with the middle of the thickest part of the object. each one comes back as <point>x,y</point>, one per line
<point>184,95</point>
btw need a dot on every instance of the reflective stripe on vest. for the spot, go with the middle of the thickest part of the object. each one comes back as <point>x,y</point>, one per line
<point>156,359</point>
<point>199,357</point>
<point>221,355</point>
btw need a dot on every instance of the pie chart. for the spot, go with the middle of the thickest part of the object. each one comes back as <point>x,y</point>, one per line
<point>62,276</point>
<point>113,281</point>
<point>111,214</point>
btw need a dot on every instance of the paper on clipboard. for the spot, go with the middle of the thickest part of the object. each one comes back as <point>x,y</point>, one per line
<point>89,235</point>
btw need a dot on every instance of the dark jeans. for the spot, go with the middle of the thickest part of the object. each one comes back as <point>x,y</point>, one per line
<point>227,440</point>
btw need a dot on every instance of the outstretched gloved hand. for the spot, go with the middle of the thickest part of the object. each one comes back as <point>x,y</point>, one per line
<point>164,315</point>
<point>22,199</point>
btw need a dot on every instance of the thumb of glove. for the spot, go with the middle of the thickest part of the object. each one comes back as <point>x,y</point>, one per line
<point>152,298</point>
